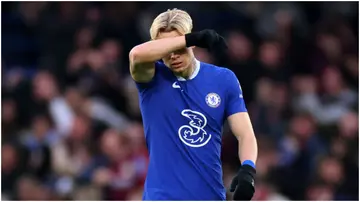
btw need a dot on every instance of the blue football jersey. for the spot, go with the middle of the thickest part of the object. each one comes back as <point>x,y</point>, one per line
<point>183,122</point>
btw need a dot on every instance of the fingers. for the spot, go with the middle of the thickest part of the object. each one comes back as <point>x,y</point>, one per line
<point>220,43</point>
<point>223,42</point>
<point>212,40</point>
<point>243,193</point>
<point>233,185</point>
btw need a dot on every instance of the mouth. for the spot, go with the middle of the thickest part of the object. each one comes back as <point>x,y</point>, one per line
<point>176,64</point>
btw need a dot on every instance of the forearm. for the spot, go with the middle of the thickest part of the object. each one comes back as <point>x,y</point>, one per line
<point>155,50</point>
<point>243,184</point>
<point>248,149</point>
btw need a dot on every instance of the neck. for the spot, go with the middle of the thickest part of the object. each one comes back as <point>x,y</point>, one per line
<point>188,71</point>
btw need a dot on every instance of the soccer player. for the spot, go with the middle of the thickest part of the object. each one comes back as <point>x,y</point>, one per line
<point>184,103</point>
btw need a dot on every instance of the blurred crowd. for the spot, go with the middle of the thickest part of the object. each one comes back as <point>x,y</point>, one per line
<point>71,124</point>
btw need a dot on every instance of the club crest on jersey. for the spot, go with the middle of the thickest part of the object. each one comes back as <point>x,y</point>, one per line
<point>193,134</point>
<point>213,100</point>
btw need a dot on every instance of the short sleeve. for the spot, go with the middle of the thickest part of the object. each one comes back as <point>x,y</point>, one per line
<point>234,97</point>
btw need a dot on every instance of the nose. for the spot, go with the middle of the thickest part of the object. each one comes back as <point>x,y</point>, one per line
<point>173,56</point>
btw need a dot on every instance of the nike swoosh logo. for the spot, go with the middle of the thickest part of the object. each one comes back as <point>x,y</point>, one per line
<point>175,85</point>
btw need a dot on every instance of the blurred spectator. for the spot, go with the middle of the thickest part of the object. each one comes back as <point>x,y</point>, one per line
<point>121,174</point>
<point>29,189</point>
<point>95,108</point>
<point>38,142</point>
<point>240,59</point>
<point>9,123</point>
<point>71,122</point>
<point>335,101</point>
<point>11,169</point>
<point>319,193</point>
<point>271,110</point>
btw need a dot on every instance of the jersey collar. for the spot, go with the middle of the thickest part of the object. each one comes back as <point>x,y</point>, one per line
<point>194,74</point>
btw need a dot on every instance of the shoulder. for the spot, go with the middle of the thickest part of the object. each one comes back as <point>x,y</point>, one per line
<point>223,74</point>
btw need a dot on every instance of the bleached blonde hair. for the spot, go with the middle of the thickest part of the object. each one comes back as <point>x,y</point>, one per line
<point>172,19</point>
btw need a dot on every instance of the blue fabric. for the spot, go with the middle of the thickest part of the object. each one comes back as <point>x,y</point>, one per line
<point>183,127</point>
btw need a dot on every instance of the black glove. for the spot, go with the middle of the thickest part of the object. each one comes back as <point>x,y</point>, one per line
<point>207,38</point>
<point>243,184</point>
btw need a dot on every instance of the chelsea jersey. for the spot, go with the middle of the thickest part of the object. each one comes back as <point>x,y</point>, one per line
<point>183,122</point>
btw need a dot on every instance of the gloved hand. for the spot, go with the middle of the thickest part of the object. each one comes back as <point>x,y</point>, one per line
<point>207,38</point>
<point>243,184</point>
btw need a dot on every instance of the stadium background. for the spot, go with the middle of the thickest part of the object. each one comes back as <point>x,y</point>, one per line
<point>71,127</point>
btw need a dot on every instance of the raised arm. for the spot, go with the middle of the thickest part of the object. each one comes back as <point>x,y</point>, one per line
<point>143,56</point>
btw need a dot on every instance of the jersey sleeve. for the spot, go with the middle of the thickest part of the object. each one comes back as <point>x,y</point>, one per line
<point>144,86</point>
<point>234,97</point>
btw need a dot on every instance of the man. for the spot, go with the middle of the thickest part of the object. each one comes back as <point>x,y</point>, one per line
<point>184,104</point>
